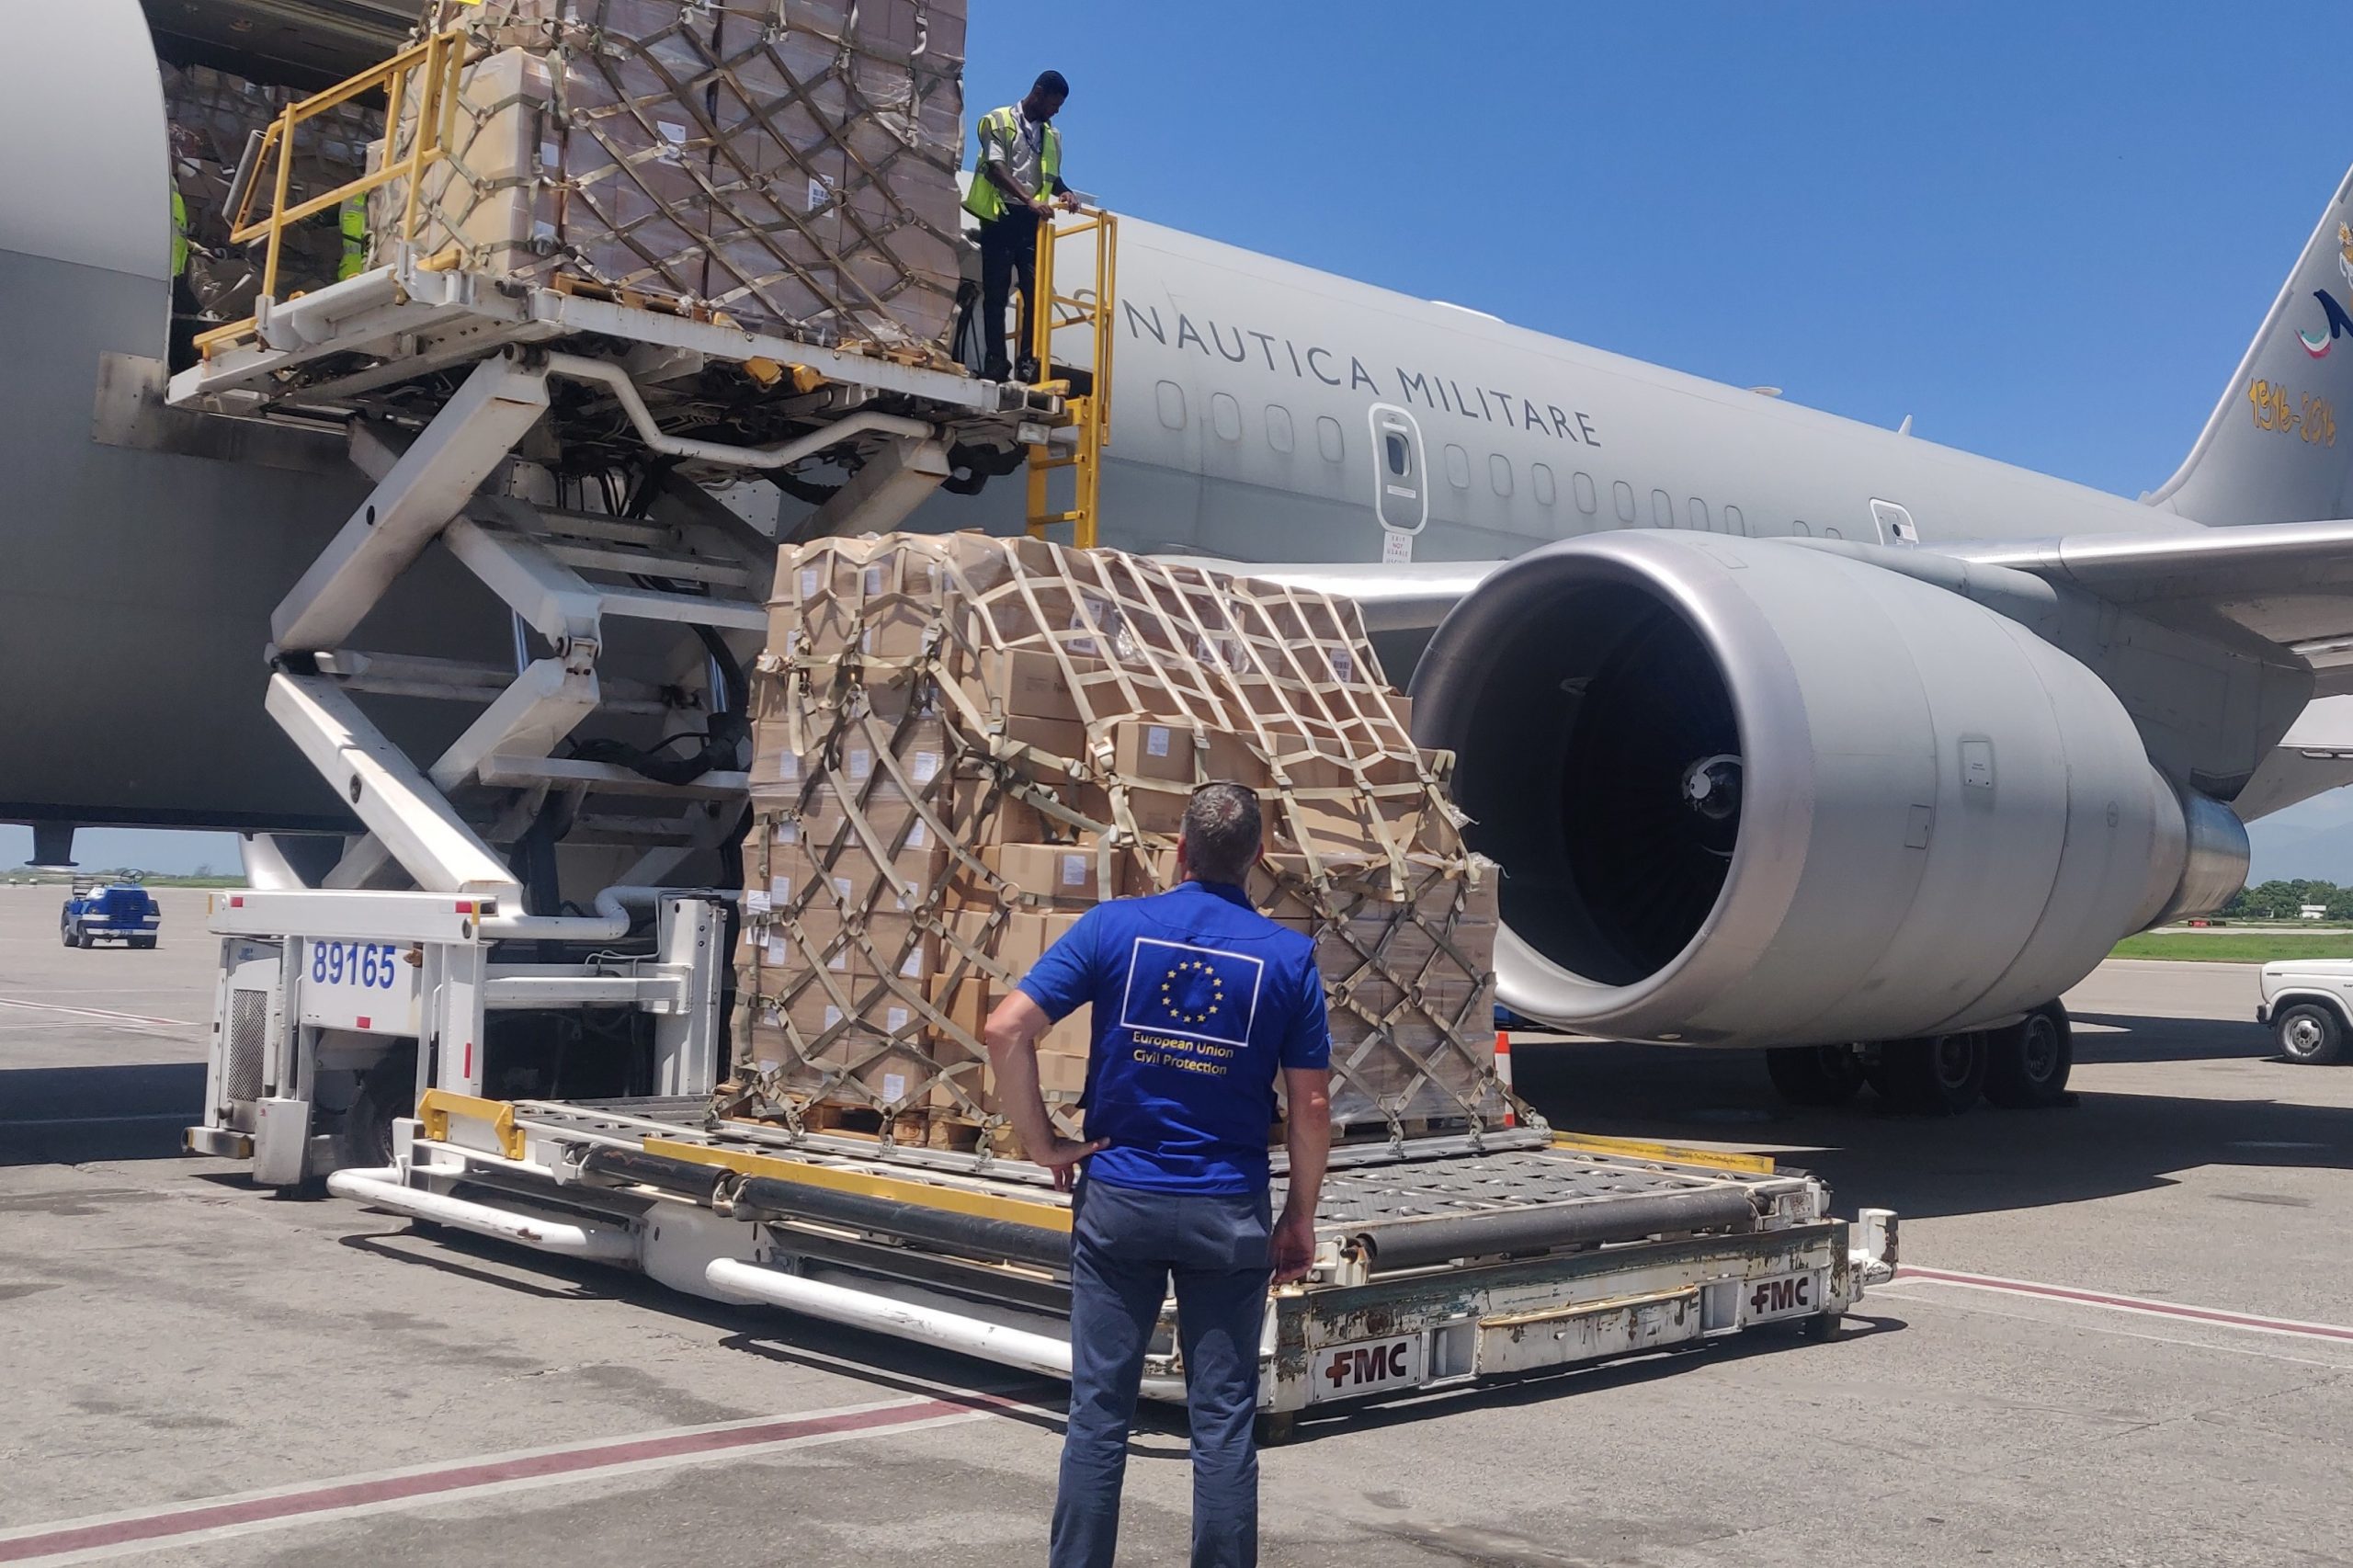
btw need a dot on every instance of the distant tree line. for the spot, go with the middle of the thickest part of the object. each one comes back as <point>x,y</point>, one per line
<point>2284,900</point>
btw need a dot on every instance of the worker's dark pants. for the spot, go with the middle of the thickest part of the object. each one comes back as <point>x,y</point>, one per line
<point>1008,249</point>
<point>1124,1246</point>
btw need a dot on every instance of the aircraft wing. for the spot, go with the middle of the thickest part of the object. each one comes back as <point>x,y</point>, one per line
<point>2289,584</point>
<point>1403,596</point>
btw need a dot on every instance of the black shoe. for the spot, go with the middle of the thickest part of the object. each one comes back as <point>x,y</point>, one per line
<point>995,371</point>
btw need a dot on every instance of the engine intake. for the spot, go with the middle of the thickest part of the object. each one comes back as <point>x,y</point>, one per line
<point>1749,793</point>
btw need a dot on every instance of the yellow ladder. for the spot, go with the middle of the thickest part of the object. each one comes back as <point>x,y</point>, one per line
<point>1089,413</point>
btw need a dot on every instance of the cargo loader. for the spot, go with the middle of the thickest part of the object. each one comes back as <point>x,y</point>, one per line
<point>509,1006</point>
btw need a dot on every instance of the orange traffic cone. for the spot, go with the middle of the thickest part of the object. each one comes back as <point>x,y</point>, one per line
<point>1503,1077</point>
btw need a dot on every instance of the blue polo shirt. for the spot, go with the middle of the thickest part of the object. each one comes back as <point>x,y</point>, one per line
<point>1197,1000</point>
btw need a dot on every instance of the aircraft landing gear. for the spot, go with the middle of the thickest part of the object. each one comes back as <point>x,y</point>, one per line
<point>1942,1075</point>
<point>1815,1074</point>
<point>2030,1060</point>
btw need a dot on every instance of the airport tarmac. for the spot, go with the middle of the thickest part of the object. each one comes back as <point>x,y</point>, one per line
<point>2127,1338</point>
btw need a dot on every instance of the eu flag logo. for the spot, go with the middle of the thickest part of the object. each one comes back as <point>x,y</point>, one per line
<point>1197,993</point>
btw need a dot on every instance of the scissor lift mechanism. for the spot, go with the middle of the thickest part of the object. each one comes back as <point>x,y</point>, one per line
<point>1440,1261</point>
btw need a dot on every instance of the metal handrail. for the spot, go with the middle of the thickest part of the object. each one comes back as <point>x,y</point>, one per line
<point>437,62</point>
<point>1090,412</point>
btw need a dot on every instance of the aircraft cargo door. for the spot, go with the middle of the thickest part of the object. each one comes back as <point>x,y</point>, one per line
<point>1400,498</point>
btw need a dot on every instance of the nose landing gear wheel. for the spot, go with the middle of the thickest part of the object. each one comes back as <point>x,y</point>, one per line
<point>1940,1076</point>
<point>1815,1074</point>
<point>2030,1060</point>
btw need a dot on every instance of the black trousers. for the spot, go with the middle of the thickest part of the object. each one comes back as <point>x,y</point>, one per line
<point>1008,250</point>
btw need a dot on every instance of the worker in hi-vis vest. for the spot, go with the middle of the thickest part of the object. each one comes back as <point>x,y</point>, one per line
<point>186,313</point>
<point>354,221</point>
<point>1017,177</point>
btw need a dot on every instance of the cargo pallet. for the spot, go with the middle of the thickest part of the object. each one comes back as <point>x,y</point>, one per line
<point>1441,1260</point>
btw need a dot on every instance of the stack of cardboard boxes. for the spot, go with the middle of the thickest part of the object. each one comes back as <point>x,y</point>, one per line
<point>792,166</point>
<point>962,744</point>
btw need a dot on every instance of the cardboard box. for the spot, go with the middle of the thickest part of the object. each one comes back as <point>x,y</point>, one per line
<point>1030,683</point>
<point>1173,751</point>
<point>1056,873</point>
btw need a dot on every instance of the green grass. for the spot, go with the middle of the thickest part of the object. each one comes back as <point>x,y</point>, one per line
<point>2235,947</point>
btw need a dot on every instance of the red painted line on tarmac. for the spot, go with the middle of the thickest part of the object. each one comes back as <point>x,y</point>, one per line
<point>154,1529</point>
<point>2215,1315</point>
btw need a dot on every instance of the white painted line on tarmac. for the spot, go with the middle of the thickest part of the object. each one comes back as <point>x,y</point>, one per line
<point>85,1540</point>
<point>2144,1305</point>
<point>95,1013</point>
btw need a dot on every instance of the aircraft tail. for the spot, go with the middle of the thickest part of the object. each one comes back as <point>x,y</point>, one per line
<point>2272,450</point>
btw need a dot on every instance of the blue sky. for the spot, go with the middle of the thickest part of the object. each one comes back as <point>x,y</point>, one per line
<point>2046,233</point>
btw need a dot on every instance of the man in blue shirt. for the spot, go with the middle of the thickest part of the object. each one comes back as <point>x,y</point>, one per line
<point>1199,1000</point>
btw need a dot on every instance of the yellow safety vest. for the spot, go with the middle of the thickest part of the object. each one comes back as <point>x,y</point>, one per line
<point>353,219</point>
<point>179,234</point>
<point>984,200</point>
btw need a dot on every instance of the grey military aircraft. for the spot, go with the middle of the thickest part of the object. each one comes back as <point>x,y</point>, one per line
<point>1785,730</point>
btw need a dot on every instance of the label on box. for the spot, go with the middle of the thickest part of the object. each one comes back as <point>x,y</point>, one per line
<point>913,968</point>
<point>819,192</point>
<point>551,155</point>
<point>893,1020</point>
<point>924,766</point>
<point>809,578</point>
<point>777,950</point>
<point>869,581</point>
<point>1155,740</point>
<point>841,887</point>
<point>861,762</point>
<point>1073,870</point>
<point>833,1016</point>
<point>755,903</point>
<point>674,142</point>
<point>787,832</point>
<point>788,766</point>
<point>780,888</point>
<point>894,1087</point>
<point>1343,664</point>
<point>918,836</point>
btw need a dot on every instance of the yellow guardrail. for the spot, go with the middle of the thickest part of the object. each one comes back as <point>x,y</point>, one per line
<point>1090,412</point>
<point>435,1112</point>
<point>435,64</point>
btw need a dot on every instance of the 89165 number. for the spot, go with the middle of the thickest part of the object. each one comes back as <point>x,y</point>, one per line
<point>371,965</point>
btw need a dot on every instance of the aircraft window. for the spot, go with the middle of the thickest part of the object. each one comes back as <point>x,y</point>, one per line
<point>1623,494</point>
<point>1832,533</point>
<point>1328,439</point>
<point>1895,521</point>
<point>1802,527</point>
<point>1733,522</point>
<point>1457,468</point>
<point>1662,510</point>
<point>1279,434</point>
<point>1225,417</point>
<point>1399,452</point>
<point>1539,480</point>
<point>1699,514</point>
<point>1499,472</point>
<point>1172,404</point>
<point>1581,483</point>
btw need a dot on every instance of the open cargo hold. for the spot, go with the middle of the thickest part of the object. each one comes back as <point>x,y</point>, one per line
<point>788,167</point>
<point>212,114</point>
<point>962,742</point>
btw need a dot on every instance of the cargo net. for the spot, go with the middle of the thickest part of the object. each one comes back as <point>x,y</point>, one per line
<point>962,742</point>
<point>788,166</point>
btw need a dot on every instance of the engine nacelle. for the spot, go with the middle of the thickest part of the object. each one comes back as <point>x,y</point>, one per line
<point>1749,793</point>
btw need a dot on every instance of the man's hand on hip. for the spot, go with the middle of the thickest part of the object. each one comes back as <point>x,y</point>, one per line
<point>1061,1157</point>
<point>1293,1248</point>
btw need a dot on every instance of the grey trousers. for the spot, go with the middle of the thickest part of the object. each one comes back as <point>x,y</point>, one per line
<point>1125,1246</point>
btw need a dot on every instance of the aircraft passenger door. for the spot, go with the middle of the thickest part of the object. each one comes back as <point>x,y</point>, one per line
<point>1401,497</point>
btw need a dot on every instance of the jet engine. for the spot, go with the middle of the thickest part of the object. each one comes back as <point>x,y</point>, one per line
<point>1745,792</point>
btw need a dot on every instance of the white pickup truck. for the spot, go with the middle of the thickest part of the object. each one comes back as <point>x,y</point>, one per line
<point>2308,1005</point>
